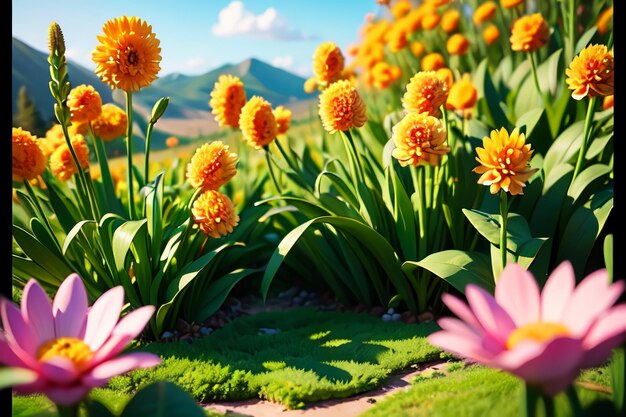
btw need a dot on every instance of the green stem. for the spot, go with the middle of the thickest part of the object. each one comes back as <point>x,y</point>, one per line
<point>68,410</point>
<point>533,66</point>
<point>41,214</point>
<point>574,401</point>
<point>571,39</point>
<point>146,164</point>
<point>269,166</point>
<point>356,167</point>
<point>586,134</point>
<point>529,400</point>
<point>129,155</point>
<point>105,172</point>
<point>504,213</point>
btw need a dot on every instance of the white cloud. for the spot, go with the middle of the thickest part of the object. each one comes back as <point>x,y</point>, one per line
<point>285,62</point>
<point>235,20</point>
<point>289,64</point>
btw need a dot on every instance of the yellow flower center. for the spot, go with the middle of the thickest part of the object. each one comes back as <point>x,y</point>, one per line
<point>68,347</point>
<point>538,332</point>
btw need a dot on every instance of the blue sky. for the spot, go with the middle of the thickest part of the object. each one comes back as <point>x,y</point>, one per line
<point>199,35</point>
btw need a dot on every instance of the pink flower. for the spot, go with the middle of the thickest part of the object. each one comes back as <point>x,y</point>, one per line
<point>544,337</point>
<point>67,346</point>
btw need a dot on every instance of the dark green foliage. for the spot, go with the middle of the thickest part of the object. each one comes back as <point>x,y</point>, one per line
<point>27,116</point>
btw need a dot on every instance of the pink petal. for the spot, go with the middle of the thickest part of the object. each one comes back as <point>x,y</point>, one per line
<point>491,316</point>
<point>16,330</point>
<point>70,308</point>
<point>128,328</point>
<point>590,299</point>
<point>103,317</point>
<point>457,326</point>
<point>58,370</point>
<point>461,309</point>
<point>518,294</point>
<point>101,374</point>
<point>557,292</point>
<point>539,362</point>
<point>552,387</point>
<point>37,309</point>
<point>460,345</point>
<point>606,333</point>
<point>7,356</point>
<point>67,395</point>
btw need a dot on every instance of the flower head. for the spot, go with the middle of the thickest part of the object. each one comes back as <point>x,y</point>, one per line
<point>397,38</point>
<point>509,4</point>
<point>111,124</point>
<point>128,55</point>
<point>591,73</point>
<point>214,214</point>
<point>341,107</point>
<point>450,20</point>
<point>54,138</point>
<point>328,62</point>
<point>67,347</point>
<point>400,9</point>
<point>227,99</point>
<point>430,20</point>
<point>61,163</point>
<point>257,122</point>
<point>28,160</point>
<point>171,142</point>
<point>529,33</point>
<point>544,337</point>
<point>425,92</point>
<point>211,166</point>
<point>283,119</point>
<point>417,48</point>
<point>84,103</point>
<point>310,85</point>
<point>486,11</point>
<point>445,74</point>
<point>608,102</point>
<point>385,74</point>
<point>462,95</point>
<point>419,138</point>
<point>491,34</point>
<point>504,161</point>
<point>457,44</point>
<point>433,61</point>
<point>605,20</point>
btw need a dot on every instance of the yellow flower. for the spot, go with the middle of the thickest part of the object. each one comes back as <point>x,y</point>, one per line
<point>509,4</point>
<point>257,122</point>
<point>433,61</point>
<point>504,161</point>
<point>310,85</point>
<point>28,160</point>
<point>425,93</point>
<point>171,142</point>
<point>417,48</point>
<point>341,107</point>
<point>384,74</point>
<point>128,55</point>
<point>397,38</point>
<point>445,74</point>
<point>227,99</point>
<point>111,124</point>
<point>211,166</point>
<point>400,9</point>
<point>61,163</point>
<point>608,102</point>
<point>591,73</point>
<point>328,62</point>
<point>84,103</point>
<point>54,138</point>
<point>457,44</point>
<point>214,214</point>
<point>491,34</point>
<point>450,20</point>
<point>529,33</point>
<point>484,12</point>
<point>419,138</point>
<point>283,119</point>
<point>462,95</point>
<point>430,20</point>
<point>604,20</point>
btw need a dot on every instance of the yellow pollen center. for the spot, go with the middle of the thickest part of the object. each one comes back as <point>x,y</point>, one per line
<point>68,347</point>
<point>538,332</point>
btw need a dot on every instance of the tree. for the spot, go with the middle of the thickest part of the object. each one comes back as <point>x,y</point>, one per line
<point>27,116</point>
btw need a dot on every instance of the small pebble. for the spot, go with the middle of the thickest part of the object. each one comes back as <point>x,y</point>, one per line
<point>268,331</point>
<point>391,310</point>
<point>386,317</point>
<point>395,316</point>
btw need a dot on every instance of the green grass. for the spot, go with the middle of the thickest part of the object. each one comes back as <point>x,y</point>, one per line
<point>477,391</point>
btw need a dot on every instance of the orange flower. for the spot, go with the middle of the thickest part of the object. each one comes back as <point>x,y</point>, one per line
<point>400,9</point>
<point>591,72</point>
<point>491,34</point>
<point>457,44</point>
<point>84,103</point>
<point>310,85</point>
<point>504,161</point>
<point>283,119</point>
<point>608,102</point>
<point>214,214</point>
<point>54,138</point>
<point>430,20</point>
<point>61,163</point>
<point>341,107</point>
<point>385,74</point>
<point>111,124</point>
<point>529,33</point>
<point>604,20</point>
<point>433,61</point>
<point>450,20</point>
<point>128,56</point>
<point>227,99</point>
<point>509,4</point>
<point>328,62</point>
<point>417,48</point>
<point>445,74</point>
<point>397,38</point>
<point>257,122</point>
<point>28,160</point>
<point>211,166</point>
<point>383,2</point>
<point>419,138</point>
<point>425,93</point>
<point>171,142</point>
<point>462,95</point>
<point>484,12</point>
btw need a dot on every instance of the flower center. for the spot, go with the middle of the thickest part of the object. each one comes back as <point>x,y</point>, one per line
<point>68,347</point>
<point>538,332</point>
